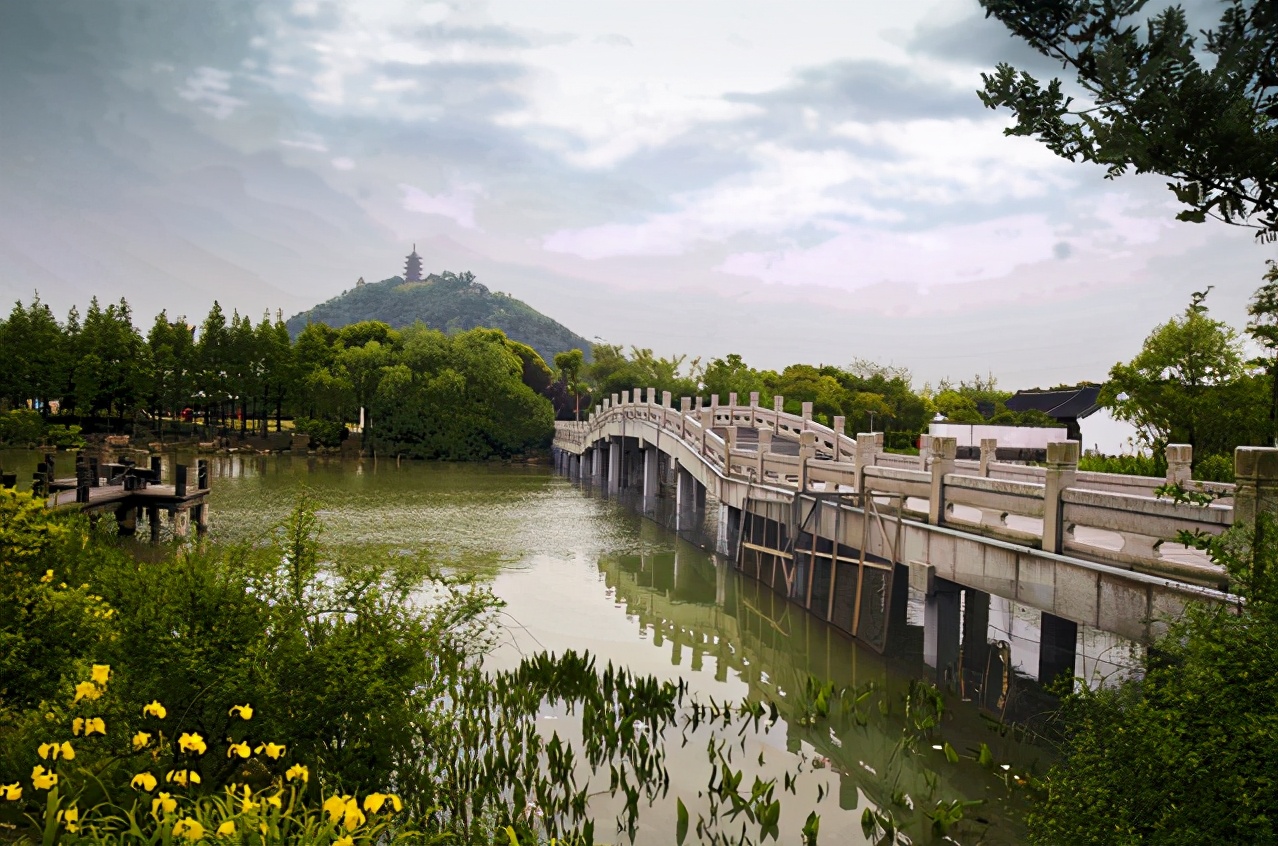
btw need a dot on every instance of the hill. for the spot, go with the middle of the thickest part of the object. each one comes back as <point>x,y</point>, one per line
<point>449,302</point>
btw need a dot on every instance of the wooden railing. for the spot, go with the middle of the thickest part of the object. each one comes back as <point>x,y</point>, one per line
<point>1110,518</point>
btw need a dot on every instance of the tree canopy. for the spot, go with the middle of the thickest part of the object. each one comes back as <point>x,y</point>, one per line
<point>1156,98</point>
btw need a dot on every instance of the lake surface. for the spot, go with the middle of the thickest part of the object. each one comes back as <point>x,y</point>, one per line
<point>578,571</point>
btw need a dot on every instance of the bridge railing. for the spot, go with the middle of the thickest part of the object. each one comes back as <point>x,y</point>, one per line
<point>1107,517</point>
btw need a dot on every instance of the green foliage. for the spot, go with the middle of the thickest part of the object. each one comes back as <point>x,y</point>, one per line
<point>326,433</point>
<point>1187,753</point>
<point>22,427</point>
<point>1140,464</point>
<point>459,397</point>
<point>446,302</point>
<point>1215,468</point>
<point>1188,385</point>
<point>1156,100</point>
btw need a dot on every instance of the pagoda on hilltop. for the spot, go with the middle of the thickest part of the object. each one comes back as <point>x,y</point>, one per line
<point>413,266</point>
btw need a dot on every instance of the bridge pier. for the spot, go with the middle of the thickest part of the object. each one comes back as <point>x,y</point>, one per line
<point>941,626</point>
<point>614,465</point>
<point>1057,647</point>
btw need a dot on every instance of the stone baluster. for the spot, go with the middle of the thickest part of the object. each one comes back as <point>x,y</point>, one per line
<point>840,423</point>
<point>685,408</point>
<point>863,457</point>
<point>765,447</point>
<point>925,451</point>
<point>1180,459</point>
<point>807,411</point>
<point>944,453</point>
<point>807,452</point>
<point>989,453</point>
<point>1256,480</point>
<point>1062,469</point>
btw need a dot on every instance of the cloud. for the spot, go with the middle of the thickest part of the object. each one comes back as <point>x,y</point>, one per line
<point>343,163</point>
<point>613,39</point>
<point>457,204</point>
<point>208,88</point>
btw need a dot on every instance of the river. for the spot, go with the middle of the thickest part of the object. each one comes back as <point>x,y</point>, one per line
<point>577,571</point>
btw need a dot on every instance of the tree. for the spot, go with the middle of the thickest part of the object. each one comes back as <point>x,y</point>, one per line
<point>731,375</point>
<point>1263,328</point>
<point>1157,102</point>
<point>1171,390</point>
<point>569,365</point>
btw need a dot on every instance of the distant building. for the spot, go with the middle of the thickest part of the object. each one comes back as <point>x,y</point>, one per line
<point>413,266</point>
<point>360,282</point>
<point>1067,406</point>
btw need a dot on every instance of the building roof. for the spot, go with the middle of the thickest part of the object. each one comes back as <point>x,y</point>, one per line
<point>1060,403</point>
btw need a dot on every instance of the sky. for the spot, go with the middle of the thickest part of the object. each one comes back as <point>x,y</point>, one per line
<point>793,182</point>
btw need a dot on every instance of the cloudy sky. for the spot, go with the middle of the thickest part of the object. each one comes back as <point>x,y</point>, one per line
<point>812,181</point>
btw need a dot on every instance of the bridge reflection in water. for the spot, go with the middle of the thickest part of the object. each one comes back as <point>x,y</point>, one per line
<point>710,618</point>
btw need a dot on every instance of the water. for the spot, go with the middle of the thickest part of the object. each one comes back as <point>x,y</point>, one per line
<point>580,572</point>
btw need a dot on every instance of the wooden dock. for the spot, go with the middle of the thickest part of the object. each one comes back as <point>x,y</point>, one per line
<point>131,493</point>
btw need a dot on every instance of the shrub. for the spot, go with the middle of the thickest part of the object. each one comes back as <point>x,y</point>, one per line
<point>1215,468</point>
<point>326,433</point>
<point>1139,464</point>
<point>21,427</point>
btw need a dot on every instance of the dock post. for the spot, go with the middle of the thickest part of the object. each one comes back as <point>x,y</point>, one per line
<point>179,480</point>
<point>94,478</point>
<point>181,520</point>
<point>38,480</point>
<point>157,466</point>
<point>202,474</point>
<point>8,480</point>
<point>153,520</point>
<point>202,518</point>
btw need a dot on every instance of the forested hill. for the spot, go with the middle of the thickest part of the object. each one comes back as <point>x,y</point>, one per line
<point>448,302</point>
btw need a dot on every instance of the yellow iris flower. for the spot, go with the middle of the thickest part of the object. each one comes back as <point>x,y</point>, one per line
<point>241,749</point>
<point>56,750</point>
<point>101,672</point>
<point>182,777</point>
<point>155,709</point>
<point>70,816</point>
<point>188,828</point>
<point>88,725</point>
<point>87,690</point>
<point>274,751</point>
<point>226,829</point>
<point>143,781</point>
<point>163,803</point>
<point>141,739</point>
<point>297,771</point>
<point>192,742</point>
<point>274,801</point>
<point>41,779</point>
<point>373,802</point>
<point>47,577</point>
<point>11,792</point>
<point>344,840</point>
<point>245,711</point>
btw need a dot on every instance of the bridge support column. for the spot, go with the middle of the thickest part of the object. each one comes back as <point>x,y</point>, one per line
<point>729,525</point>
<point>976,643</point>
<point>614,465</point>
<point>1057,647</point>
<point>941,628</point>
<point>650,485</point>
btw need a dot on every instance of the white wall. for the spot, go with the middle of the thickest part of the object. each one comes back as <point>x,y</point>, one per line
<point>1102,433</point>
<point>1017,437</point>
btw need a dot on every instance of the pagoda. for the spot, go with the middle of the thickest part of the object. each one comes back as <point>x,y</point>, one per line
<point>413,267</point>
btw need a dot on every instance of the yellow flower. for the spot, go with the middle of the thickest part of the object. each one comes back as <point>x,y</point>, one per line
<point>56,751</point>
<point>89,725</point>
<point>245,711</point>
<point>373,802</point>
<point>143,781</point>
<point>226,829</point>
<point>273,751</point>
<point>353,817</point>
<point>182,777</point>
<point>70,816</point>
<point>87,690</point>
<point>11,792</point>
<point>141,739</point>
<point>297,771</point>
<point>155,709</point>
<point>274,801</point>
<point>188,828</point>
<point>192,742</point>
<point>43,780</point>
<point>101,672</point>
<point>241,749</point>
<point>47,577</point>
<point>335,806</point>
<point>345,840</point>
<point>163,803</point>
